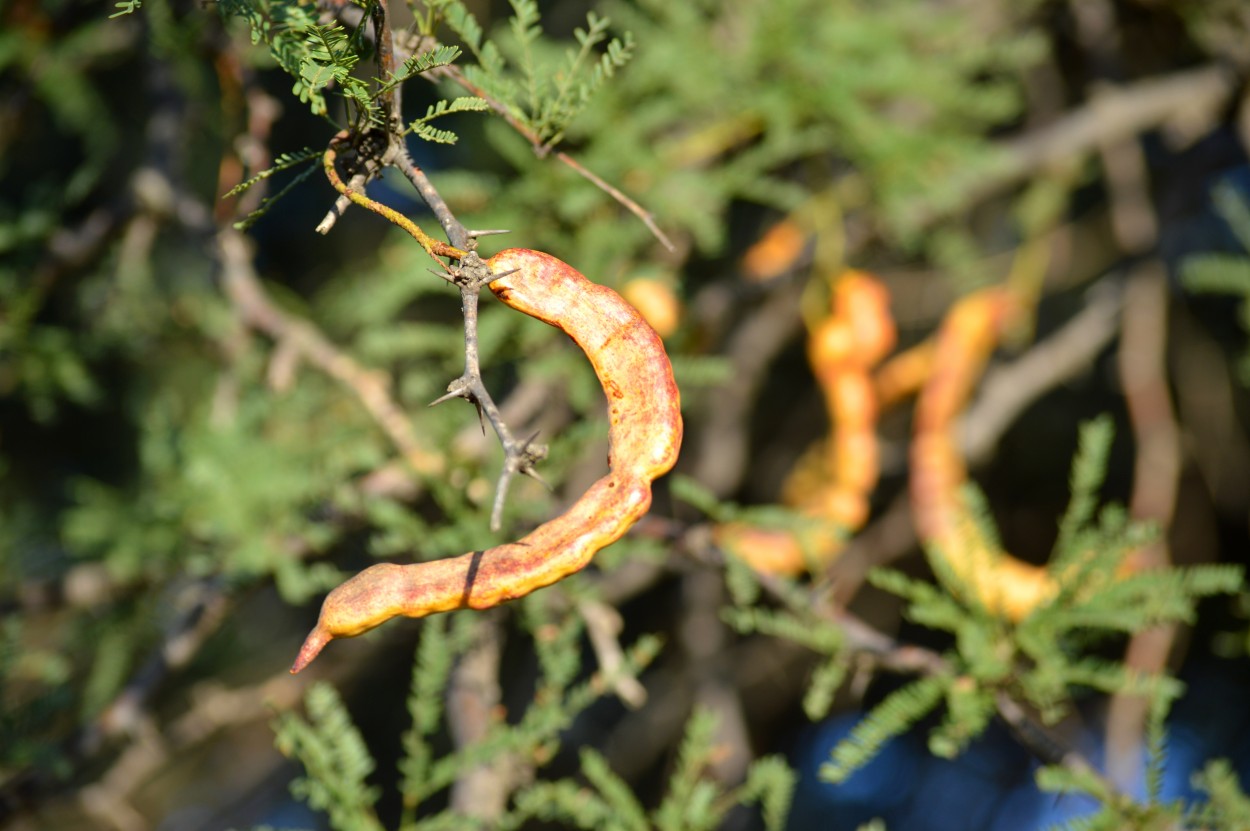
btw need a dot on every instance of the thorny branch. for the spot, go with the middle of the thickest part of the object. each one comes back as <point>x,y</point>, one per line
<point>376,150</point>
<point>456,233</point>
<point>520,456</point>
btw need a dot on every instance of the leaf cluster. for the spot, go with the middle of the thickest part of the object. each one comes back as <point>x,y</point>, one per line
<point>1226,808</point>
<point>1044,661</point>
<point>542,85</point>
<point>326,56</point>
<point>1051,654</point>
<point>337,763</point>
<point>693,801</point>
<point>705,118</point>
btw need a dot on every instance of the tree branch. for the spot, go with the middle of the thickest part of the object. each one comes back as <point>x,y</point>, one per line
<point>371,387</point>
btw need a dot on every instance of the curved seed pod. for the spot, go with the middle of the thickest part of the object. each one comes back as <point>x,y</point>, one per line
<point>645,431</point>
<point>842,350</point>
<point>1005,586</point>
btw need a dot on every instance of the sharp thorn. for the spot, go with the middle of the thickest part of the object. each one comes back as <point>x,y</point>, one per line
<point>488,233</point>
<point>450,278</point>
<point>531,472</point>
<point>454,390</point>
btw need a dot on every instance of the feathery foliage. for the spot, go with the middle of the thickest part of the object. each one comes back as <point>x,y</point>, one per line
<point>290,30</point>
<point>422,128</point>
<point>693,801</point>
<point>1228,806</point>
<point>543,87</point>
<point>895,715</point>
<point>335,758</point>
<point>1226,809</point>
<point>1044,658</point>
<point>336,764</point>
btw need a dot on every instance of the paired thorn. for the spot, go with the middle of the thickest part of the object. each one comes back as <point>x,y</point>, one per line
<point>484,279</point>
<point>468,278</point>
<point>470,275</point>
<point>529,456</point>
<point>519,458</point>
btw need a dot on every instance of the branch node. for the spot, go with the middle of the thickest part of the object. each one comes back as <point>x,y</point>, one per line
<point>528,457</point>
<point>474,276</point>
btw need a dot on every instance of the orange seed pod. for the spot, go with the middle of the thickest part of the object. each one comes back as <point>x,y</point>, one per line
<point>656,301</point>
<point>774,253</point>
<point>645,431</point>
<point>841,349</point>
<point>1004,585</point>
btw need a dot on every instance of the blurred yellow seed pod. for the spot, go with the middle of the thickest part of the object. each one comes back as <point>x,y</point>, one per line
<point>656,301</point>
<point>776,252</point>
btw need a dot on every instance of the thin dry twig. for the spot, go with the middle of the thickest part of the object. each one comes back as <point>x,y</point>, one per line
<point>603,626</point>
<point>1191,101</point>
<point>541,149</point>
<point>370,386</point>
<point>456,233</point>
<point>1010,388</point>
<point>473,702</point>
<point>356,183</point>
<point>630,205</point>
<point>1185,100</point>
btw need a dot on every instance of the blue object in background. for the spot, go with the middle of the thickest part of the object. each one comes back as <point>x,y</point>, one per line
<point>883,787</point>
<point>991,785</point>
